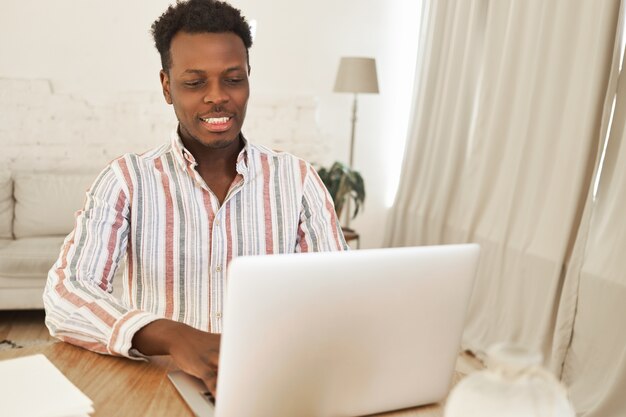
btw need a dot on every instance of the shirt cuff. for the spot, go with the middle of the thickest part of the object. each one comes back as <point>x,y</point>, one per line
<point>124,330</point>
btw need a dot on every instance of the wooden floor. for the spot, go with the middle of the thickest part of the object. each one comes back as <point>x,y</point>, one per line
<point>27,328</point>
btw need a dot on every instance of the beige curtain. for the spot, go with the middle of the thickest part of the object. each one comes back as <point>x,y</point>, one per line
<point>507,118</point>
<point>590,341</point>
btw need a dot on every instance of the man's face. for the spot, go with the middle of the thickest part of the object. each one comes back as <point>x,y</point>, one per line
<point>208,85</point>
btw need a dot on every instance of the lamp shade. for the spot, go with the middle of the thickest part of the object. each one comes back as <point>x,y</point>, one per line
<point>356,75</point>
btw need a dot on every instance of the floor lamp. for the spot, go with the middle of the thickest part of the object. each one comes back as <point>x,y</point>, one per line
<point>355,75</point>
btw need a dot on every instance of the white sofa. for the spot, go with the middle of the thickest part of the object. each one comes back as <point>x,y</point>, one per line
<point>36,213</point>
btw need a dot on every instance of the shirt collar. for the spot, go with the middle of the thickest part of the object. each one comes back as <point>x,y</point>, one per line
<point>242,158</point>
<point>186,159</point>
<point>182,155</point>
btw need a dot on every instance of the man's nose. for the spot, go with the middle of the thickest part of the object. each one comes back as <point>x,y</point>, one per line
<point>215,93</point>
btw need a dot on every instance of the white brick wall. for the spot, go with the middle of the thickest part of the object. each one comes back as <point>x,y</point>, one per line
<point>41,130</point>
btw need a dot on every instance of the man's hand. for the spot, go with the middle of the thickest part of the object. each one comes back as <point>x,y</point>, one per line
<point>195,352</point>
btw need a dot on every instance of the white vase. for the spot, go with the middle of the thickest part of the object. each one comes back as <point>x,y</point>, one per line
<point>513,385</point>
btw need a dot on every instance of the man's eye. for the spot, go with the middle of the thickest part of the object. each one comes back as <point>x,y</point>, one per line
<point>193,84</point>
<point>234,80</point>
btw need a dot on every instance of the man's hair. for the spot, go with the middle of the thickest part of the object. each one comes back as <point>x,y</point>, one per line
<point>197,16</point>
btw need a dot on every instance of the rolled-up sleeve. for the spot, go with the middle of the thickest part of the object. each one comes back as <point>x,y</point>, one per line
<point>80,307</point>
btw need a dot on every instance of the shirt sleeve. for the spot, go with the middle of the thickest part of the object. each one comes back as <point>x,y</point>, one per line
<point>319,229</point>
<point>80,307</point>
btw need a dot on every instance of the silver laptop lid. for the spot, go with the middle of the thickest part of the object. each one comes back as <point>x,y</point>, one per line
<point>343,333</point>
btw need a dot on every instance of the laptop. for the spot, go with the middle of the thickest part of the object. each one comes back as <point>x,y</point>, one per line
<point>339,333</point>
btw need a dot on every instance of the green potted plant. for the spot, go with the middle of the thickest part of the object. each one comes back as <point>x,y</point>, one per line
<point>344,184</point>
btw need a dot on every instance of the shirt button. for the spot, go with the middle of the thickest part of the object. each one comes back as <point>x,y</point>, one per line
<point>218,315</point>
<point>218,269</point>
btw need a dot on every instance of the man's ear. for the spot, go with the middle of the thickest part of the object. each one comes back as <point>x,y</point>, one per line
<point>165,84</point>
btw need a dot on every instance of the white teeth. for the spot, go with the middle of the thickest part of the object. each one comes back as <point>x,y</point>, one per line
<point>216,120</point>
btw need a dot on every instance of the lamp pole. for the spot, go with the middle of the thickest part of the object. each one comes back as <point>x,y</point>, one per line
<point>351,158</point>
<point>354,108</point>
<point>355,75</point>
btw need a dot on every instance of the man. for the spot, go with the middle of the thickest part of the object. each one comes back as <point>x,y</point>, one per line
<point>182,211</point>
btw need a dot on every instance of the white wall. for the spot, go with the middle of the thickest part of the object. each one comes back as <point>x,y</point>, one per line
<point>101,54</point>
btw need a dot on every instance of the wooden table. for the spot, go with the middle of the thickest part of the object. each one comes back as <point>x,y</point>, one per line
<point>123,387</point>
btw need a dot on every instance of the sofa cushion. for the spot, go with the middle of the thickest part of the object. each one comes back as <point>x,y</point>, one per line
<point>29,257</point>
<point>45,203</point>
<point>6,206</point>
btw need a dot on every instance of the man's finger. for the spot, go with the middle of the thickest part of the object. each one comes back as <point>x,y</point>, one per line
<point>211,382</point>
<point>214,357</point>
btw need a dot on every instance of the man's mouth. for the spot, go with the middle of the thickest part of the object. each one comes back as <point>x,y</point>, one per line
<point>217,124</point>
<point>216,120</point>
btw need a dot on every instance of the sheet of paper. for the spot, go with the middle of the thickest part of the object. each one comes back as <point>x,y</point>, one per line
<point>32,386</point>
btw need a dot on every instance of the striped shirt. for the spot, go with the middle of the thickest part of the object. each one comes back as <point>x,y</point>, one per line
<point>157,212</point>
